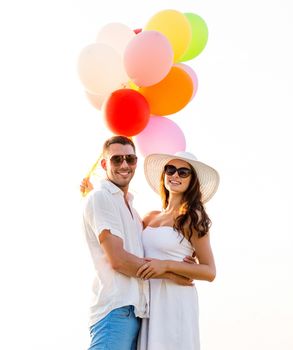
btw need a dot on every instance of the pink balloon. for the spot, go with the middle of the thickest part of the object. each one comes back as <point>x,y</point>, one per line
<point>161,135</point>
<point>148,58</point>
<point>192,75</point>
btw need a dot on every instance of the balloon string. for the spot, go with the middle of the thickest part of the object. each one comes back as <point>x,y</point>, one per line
<point>90,173</point>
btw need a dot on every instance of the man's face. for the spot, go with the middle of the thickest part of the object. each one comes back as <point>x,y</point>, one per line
<point>119,173</point>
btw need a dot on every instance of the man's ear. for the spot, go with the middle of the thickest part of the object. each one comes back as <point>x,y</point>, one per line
<point>104,164</point>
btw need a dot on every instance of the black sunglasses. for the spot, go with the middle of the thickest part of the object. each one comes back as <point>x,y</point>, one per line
<point>131,159</point>
<point>171,170</point>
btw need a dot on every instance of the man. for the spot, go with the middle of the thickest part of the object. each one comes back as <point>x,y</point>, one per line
<point>113,231</point>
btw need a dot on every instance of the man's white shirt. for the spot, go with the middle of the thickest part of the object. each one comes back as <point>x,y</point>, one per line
<point>105,208</point>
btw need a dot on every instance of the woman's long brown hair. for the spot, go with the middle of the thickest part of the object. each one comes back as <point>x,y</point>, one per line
<point>193,217</point>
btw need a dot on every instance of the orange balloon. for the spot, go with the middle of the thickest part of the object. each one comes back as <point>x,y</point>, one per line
<point>171,94</point>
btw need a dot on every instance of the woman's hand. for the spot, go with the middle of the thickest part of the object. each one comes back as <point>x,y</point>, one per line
<point>152,268</point>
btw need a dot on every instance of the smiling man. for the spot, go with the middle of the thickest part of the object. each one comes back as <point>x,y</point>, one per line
<point>113,232</point>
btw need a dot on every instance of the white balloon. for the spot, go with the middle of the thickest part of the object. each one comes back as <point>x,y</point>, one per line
<point>116,35</point>
<point>101,69</point>
<point>96,100</point>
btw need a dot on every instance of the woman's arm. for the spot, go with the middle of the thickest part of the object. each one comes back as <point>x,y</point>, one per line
<point>204,270</point>
<point>176,278</point>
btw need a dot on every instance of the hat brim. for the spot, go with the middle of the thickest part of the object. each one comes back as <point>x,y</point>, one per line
<point>208,177</point>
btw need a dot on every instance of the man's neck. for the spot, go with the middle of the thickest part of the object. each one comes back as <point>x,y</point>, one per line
<point>124,189</point>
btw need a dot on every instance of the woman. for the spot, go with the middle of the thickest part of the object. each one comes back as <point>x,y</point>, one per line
<point>179,230</point>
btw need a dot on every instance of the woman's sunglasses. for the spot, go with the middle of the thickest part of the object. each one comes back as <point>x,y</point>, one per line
<point>171,170</point>
<point>131,159</point>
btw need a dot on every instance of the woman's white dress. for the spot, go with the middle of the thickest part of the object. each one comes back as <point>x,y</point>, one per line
<point>173,322</point>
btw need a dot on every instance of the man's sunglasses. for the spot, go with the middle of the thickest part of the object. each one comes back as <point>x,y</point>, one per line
<point>131,159</point>
<point>171,170</point>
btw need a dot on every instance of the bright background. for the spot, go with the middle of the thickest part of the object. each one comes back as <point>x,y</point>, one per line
<point>50,136</point>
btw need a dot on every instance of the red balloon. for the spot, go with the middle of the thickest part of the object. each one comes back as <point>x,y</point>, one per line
<point>137,31</point>
<point>126,112</point>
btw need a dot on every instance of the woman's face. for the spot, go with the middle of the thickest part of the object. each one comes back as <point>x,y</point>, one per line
<point>172,179</point>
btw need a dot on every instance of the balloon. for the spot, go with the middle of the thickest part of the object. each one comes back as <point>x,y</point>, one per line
<point>126,112</point>
<point>161,135</point>
<point>199,37</point>
<point>171,94</point>
<point>192,75</point>
<point>148,58</point>
<point>101,69</point>
<point>96,100</point>
<point>137,30</point>
<point>132,86</point>
<point>175,26</point>
<point>116,35</point>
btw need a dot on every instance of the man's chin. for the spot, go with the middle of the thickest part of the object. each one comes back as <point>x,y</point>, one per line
<point>122,182</point>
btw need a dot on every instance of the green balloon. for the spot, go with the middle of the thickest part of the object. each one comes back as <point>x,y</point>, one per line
<point>199,36</point>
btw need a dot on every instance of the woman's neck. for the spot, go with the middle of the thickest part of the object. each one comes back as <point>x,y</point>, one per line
<point>174,204</point>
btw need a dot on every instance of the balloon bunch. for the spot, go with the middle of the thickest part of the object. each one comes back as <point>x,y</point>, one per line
<point>137,78</point>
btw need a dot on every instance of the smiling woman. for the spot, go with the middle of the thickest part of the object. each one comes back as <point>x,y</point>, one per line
<point>179,230</point>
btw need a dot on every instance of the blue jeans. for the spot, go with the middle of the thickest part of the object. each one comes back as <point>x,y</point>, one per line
<point>117,331</point>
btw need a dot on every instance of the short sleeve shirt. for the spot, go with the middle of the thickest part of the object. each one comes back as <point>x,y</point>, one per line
<point>105,208</point>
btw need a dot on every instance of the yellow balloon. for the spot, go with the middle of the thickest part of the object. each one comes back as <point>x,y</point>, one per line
<point>176,27</point>
<point>132,85</point>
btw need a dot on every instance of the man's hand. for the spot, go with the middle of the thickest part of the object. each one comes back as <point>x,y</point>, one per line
<point>86,186</point>
<point>153,268</point>
<point>183,281</point>
<point>191,260</point>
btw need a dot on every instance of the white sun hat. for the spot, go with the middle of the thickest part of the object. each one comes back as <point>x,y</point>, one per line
<point>208,177</point>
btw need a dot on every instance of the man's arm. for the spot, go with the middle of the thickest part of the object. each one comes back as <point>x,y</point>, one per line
<point>120,260</point>
<point>127,263</point>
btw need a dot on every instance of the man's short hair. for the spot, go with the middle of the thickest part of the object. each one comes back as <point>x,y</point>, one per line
<point>123,140</point>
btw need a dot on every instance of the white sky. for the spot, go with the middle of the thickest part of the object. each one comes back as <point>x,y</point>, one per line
<point>50,135</point>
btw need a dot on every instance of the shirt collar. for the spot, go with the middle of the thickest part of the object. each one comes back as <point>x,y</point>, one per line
<point>112,188</point>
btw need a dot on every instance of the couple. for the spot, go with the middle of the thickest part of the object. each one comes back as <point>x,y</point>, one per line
<point>144,270</point>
